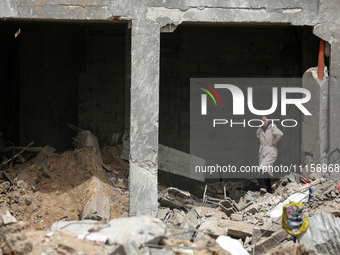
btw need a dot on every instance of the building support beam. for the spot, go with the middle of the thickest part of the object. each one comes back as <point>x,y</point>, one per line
<point>145,47</point>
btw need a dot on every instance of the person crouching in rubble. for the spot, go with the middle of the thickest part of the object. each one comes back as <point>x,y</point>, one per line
<point>269,136</point>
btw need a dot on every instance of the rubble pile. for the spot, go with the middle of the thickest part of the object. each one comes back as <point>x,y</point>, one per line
<point>77,202</point>
<point>51,187</point>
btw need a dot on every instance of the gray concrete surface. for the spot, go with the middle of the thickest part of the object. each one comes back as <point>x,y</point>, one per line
<point>147,19</point>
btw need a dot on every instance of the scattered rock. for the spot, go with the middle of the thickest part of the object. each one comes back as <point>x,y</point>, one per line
<point>7,218</point>
<point>4,187</point>
<point>19,244</point>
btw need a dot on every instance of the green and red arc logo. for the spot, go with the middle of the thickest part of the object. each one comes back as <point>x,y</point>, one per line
<point>209,93</point>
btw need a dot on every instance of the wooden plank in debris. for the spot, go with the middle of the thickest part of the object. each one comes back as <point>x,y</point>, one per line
<point>178,162</point>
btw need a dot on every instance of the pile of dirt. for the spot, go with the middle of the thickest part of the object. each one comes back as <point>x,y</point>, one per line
<point>55,187</point>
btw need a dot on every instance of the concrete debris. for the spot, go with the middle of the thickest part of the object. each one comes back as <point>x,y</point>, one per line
<point>190,220</point>
<point>18,244</point>
<point>118,231</point>
<point>7,218</point>
<point>98,205</point>
<point>231,245</point>
<point>86,139</point>
<point>175,198</point>
<point>238,229</point>
<point>69,187</point>
<point>290,248</point>
<point>4,187</point>
<point>267,243</point>
<point>228,206</point>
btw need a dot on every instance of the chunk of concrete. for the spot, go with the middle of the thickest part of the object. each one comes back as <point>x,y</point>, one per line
<point>251,209</point>
<point>162,213</point>
<point>175,198</point>
<point>236,216</point>
<point>213,227</point>
<point>7,218</point>
<point>270,242</point>
<point>228,206</point>
<point>96,208</point>
<point>19,244</point>
<point>4,187</point>
<point>238,229</point>
<point>140,230</point>
<point>98,205</point>
<point>86,139</point>
<point>190,220</point>
<point>178,217</point>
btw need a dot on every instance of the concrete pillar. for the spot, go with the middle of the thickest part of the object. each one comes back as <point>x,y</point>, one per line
<point>145,46</point>
<point>334,95</point>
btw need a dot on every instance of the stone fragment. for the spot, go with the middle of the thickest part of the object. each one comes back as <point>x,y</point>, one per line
<point>265,244</point>
<point>7,218</point>
<point>4,187</point>
<point>238,229</point>
<point>177,218</point>
<point>96,208</point>
<point>19,244</point>
<point>236,217</point>
<point>190,220</point>
<point>251,209</point>
<point>175,198</point>
<point>161,214</point>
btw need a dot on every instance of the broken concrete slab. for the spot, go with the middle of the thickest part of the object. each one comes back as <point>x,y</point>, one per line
<point>86,139</point>
<point>175,198</point>
<point>190,220</point>
<point>228,206</point>
<point>238,229</point>
<point>236,216</point>
<point>135,229</point>
<point>177,217</point>
<point>98,205</point>
<point>18,243</point>
<point>213,228</point>
<point>7,218</point>
<point>162,213</point>
<point>265,244</point>
<point>252,209</point>
<point>76,227</point>
<point>119,231</point>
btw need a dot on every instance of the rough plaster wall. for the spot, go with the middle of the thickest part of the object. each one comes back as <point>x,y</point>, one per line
<point>71,74</point>
<point>101,81</point>
<point>215,51</point>
<point>48,91</point>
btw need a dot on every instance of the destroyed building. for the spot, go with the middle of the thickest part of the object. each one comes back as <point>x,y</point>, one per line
<point>121,69</point>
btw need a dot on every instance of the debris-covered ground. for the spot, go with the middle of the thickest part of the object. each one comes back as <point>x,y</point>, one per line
<point>77,202</point>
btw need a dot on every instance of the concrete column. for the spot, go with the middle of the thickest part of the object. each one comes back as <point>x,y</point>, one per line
<point>145,46</point>
<point>334,96</point>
